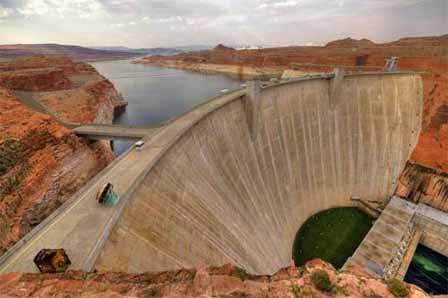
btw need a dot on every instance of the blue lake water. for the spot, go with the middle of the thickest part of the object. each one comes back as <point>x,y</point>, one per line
<point>157,94</point>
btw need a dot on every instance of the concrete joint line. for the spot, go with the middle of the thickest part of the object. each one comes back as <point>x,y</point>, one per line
<point>335,87</point>
<point>252,106</point>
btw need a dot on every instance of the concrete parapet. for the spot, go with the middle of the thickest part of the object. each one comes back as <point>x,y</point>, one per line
<point>102,131</point>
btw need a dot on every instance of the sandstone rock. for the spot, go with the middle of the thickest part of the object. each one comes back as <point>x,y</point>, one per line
<point>201,282</point>
<point>54,163</point>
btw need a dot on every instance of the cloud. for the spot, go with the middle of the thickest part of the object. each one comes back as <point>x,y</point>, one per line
<point>5,12</point>
<point>81,8</point>
<point>162,8</point>
<point>145,23</point>
<point>277,4</point>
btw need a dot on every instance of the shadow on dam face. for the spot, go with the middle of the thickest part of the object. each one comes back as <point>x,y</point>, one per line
<point>226,191</point>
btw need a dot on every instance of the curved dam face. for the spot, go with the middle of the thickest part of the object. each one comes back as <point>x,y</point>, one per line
<point>238,184</point>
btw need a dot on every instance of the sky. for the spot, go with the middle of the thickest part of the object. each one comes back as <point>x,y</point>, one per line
<point>169,23</point>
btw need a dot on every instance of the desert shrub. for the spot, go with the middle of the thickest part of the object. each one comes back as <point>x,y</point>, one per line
<point>240,273</point>
<point>306,293</point>
<point>236,294</point>
<point>296,291</point>
<point>11,153</point>
<point>398,288</point>
<point>321,280</point>
<point>340,290</point>
<point>152,293</point>
<point>13,183</point>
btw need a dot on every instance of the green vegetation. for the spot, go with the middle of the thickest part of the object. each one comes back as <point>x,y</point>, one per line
<point>13,183</point>
<point>332,235</point>
<point>240,273</point>
<point>307,293</point>
<point>11,153</point>
<point>296,291</point>
<point>236,294</point>
<point>321,280</point>
<point>302,292</point>
<point>152,293</point>
<point>398,288</point>
<point>338,289</point>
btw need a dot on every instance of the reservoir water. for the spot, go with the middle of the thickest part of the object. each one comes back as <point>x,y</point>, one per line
<point>157,94</point>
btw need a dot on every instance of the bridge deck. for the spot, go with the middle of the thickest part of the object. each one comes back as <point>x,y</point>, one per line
<point>81,226</point>
<point>100,131</point>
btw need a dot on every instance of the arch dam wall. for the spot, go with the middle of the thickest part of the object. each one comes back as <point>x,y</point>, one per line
<point>226,191</point>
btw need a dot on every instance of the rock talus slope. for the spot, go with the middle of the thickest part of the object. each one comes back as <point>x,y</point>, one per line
<point>225,282</point>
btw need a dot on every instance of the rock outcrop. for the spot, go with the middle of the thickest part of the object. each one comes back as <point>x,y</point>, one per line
<point>423,185</point>
<point>42,163</point>
<point>225,282</point>
<point>350,43</point>
<point>74,91</point>
<point>35,80</point>
<point>15,51</point>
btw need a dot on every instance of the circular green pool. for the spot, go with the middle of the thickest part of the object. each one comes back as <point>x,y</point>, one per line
<point>331,235</point>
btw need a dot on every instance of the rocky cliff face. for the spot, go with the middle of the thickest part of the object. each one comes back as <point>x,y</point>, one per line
<point>35,80</point>
<point>41,162</point>
<point>225,282</point>
<point>350,43</point>
<point>423,185</point>
<point>74,91</point>
<point>15,51</point>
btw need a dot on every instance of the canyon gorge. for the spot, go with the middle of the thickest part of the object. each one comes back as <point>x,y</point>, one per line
<point>43,163</point>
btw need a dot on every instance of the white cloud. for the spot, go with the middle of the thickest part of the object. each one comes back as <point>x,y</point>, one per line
<point>81,8</point>
<point>143,23</point>
<point>285,4</point>
<point>5,12</point>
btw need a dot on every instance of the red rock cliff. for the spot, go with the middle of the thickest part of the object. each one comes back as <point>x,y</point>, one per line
<point>41,165</point>
<point>225,282</point>
<point>41,162</point>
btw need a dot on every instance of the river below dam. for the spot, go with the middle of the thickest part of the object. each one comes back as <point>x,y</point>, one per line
<point>155,94</point>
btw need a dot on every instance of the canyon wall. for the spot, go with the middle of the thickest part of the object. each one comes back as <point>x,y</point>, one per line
<point>43,163</point>
<point>227,191</point>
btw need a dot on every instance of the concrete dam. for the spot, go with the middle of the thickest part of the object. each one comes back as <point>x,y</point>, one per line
<point>235,178</point>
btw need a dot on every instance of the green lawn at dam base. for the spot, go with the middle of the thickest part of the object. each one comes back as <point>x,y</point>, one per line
<point>332,235</point>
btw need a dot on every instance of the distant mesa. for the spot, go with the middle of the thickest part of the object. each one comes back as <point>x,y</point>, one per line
<point>222,47</point>
<point>350,43</point>
<point>76,53</point>
<point>142,51</point>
